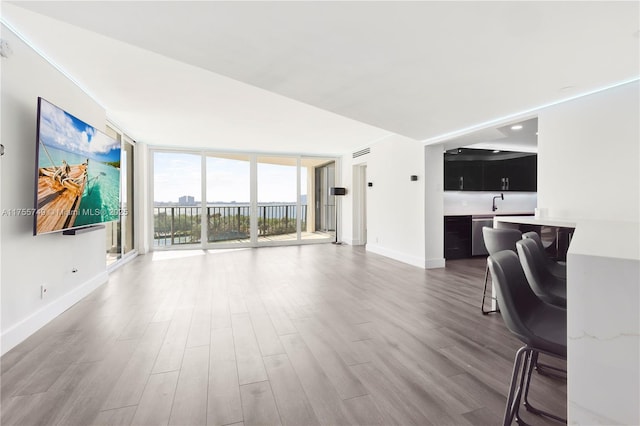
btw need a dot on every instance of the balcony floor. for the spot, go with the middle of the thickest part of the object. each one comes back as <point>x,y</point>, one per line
<point>286,237</point>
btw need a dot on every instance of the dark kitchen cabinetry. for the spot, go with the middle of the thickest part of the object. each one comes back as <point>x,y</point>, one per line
<point>523,173</point>
<point>457,237</point>
<point>482,170</point>
<point>513,174</point>
<point>463,176</point>
<point>494,176</point>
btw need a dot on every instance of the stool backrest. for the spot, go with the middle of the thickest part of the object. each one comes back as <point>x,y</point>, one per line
<point>535,237</point>
<point>515,297</point>
<point>534,264</point>
<point>498,239</point>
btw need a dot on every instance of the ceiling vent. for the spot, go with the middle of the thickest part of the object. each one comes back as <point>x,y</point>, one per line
<point>361,152</point>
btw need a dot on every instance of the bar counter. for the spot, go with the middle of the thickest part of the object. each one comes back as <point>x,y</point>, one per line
<point>603,318</point>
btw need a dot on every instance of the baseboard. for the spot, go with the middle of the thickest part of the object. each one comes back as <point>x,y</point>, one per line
<point>402,257</point>
<point>25,328</point>
<point>434,263</point>
<point>125,259</point>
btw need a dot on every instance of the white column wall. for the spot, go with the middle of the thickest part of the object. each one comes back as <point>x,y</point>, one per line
<point>589,156</point>
<point>589,173</point>
<point>434,206</point>
<point>395,204</point>
<point>29,261</point>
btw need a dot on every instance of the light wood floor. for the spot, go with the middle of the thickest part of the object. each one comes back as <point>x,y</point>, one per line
<point>304,335</point>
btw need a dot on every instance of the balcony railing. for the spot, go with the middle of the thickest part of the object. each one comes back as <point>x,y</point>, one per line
<point>175,225</point>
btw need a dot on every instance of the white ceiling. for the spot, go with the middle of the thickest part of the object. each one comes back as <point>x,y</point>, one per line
<point>328,77</point>
<point>503,138</point>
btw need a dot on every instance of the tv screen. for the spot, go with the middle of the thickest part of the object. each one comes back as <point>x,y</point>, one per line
<point>78,173</point>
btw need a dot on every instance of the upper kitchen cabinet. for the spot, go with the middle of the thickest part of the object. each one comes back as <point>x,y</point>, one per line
<point>513,171</point>
<point>482,170</point>
<point>522,173</point>
<point>463,176</point>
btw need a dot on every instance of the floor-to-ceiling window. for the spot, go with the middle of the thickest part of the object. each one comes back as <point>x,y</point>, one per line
<point>228,207</point>
<point>278,199</point>
<point>128,216</point>
<point>177,199</point>
<point>120,233</point>
<point>215,200</point>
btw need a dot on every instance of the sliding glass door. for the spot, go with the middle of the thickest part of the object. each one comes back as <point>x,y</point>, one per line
<point>215,200</point>
<point>120,233</point>
<point>228,207</point>
<point>278,199</point>
<point>177,195</point>
<point>319,178</point>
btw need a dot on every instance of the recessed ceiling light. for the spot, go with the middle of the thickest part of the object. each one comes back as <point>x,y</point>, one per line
<point>516,127</point>
<point>495,151</point>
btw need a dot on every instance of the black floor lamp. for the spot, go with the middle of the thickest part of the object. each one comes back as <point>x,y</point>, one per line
<point>337,191</point>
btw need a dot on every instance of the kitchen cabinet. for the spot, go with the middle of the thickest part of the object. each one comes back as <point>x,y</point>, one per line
<point>494,176</point>
<point>522,173</point>
<point>457,237</point>
<point>463,176</point>
<point>483,170</point>
<point>463,236</point>
<point>512,174</point>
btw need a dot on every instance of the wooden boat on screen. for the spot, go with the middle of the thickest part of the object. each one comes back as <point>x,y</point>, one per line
<point>60,192</point>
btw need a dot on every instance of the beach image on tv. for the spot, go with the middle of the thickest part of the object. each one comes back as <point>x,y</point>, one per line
<point>78,172</point>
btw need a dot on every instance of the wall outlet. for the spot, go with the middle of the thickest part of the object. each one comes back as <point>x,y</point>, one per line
<point>43,291</point>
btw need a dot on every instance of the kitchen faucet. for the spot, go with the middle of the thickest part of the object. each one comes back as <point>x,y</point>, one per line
<point>494,208</point>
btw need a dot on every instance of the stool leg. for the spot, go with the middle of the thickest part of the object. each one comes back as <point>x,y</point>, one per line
<point>515,390</point>
<point>484,292</point>
<point>549,370</point>
<point>529,367</point>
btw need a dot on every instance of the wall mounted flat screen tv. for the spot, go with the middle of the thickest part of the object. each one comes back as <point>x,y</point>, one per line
<point>77,173</point>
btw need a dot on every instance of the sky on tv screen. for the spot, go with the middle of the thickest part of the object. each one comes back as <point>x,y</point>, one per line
<point>61,130</point>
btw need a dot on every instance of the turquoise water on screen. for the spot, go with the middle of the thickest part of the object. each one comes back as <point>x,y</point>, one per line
<point>101,197</point>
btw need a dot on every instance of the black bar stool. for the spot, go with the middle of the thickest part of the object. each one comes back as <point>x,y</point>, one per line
<point>559,269</point>
<point>544,284</point>
<point>540,326</point>
<point>497,240</point>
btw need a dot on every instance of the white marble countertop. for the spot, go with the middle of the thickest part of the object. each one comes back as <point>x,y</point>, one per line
<point>532,220</point>
<point>619,240</point>
<point>603,323</point>
<point>603,305</point>
<point>490,215</point>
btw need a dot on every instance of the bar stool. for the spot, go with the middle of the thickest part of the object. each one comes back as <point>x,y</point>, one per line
<point>544,284</point>
<point>556,268</point>
<point>540,326</point>
<point>497,240</point>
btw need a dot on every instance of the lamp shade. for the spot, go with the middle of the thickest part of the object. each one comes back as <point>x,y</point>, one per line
<point>337,190</point>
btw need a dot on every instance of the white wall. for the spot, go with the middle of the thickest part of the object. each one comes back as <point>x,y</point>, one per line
<point>434,206</point>
<point>588,168</point>
<point>589,156</point>
<point>395,204</point>
<point>27,262</point>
